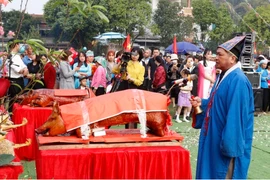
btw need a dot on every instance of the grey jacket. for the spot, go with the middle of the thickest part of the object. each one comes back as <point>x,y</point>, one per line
<point>66,76</point>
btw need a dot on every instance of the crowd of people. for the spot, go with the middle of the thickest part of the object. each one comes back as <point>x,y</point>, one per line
<point>141,68</point>
<point>222,91</point>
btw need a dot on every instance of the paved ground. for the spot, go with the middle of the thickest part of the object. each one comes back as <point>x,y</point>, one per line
<point>259,167</point>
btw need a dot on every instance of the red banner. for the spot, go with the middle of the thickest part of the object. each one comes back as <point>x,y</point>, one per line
<point>174,45</point>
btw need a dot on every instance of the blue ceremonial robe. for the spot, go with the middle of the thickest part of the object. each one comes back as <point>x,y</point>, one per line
<point>228,133</point>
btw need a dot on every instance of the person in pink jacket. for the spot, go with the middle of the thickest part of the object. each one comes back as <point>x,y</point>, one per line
<point>99,79</point>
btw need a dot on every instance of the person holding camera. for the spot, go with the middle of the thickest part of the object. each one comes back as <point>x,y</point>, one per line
<point>130,70</point>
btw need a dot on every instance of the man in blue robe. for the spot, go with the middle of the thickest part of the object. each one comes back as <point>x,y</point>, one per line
<point>227,120</point>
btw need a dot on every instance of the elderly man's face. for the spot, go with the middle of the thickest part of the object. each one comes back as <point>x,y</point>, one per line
<point>224,60</point>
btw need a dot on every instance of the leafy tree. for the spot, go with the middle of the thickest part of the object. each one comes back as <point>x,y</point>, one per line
<point>12,18</point>
<point>127,15</point>
<point>204,12</point>
<point>223,26</point>
<point>168,22</point>
<point>32,34</point>
<point>73,20</point>
<point>254,22</point>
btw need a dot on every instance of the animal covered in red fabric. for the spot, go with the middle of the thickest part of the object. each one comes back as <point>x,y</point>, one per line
<point>102,114</point>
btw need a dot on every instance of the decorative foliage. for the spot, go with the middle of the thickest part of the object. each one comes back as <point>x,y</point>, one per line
<point>168,22</point>
<point>258,25</point>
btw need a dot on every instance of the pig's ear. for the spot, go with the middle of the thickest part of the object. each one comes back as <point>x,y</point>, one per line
<point>56,108</point>
<point>30,92</point>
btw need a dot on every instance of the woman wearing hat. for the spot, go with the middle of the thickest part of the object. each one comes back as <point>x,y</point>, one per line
<point>264,83</point>
<point>99,79</point>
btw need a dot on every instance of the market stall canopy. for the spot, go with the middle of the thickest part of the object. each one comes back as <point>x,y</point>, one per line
<point>183,48</point>
<point>110,35</point>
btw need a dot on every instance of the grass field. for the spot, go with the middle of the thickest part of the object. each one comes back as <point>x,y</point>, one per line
<point>259,166</point>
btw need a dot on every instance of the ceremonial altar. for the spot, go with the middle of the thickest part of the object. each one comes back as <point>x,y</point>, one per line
<point>36,116</point>
<point>149,162</point>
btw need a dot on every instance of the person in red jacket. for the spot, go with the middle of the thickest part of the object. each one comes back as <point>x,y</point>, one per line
<point>159,81</point>
<point>49,72</point>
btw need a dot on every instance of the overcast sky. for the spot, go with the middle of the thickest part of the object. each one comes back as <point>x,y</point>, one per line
<point>33,6</point>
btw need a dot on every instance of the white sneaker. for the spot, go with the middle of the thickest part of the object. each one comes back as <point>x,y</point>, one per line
<point>185,120</point>
<point>178,120</point>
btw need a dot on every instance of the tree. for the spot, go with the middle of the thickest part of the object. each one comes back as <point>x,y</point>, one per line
<point>260,26</point>
<point>12,18</point>
<point>124,16</point>
<point>204,12</point>
<point>32,34</point>
<point>73,20</point>
<point>223,26</point>
<point>169,22</point>
<point>127,15</point>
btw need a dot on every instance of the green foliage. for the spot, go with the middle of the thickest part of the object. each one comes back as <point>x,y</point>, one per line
<point>168,22</point>
<point>32,34</point>
<point>12,18</point>
<point>258,25</point>
<point>215,22</point>
<point>127,15</point>
<point>74,18</point>
<point>122,15</point>
<point>223,26</point>
<point>204,12</point>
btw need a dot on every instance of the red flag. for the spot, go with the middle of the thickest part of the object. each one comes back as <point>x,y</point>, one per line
<point>126,44</point>
<point>174,45</point>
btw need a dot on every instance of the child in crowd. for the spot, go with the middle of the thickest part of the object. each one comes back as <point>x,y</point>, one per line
<point>183,99</point>
<point>83,83</point>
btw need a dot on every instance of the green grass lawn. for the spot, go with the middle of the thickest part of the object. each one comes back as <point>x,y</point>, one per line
<point>259,166</point>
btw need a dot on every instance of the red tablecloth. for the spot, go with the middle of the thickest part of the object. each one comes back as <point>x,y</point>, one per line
<point>36,116</point>
<point>11,172</point>
<point>170,162</point>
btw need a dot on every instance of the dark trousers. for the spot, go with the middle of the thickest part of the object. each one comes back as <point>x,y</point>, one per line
<point>14,90</point>
<point>265,99</point>
<point>100,91</point>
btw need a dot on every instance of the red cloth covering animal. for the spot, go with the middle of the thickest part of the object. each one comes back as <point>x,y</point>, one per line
<point>46,97</point>
<point>111,109</point>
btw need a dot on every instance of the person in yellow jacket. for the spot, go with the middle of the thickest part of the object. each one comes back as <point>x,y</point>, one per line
<point>132,76</point>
